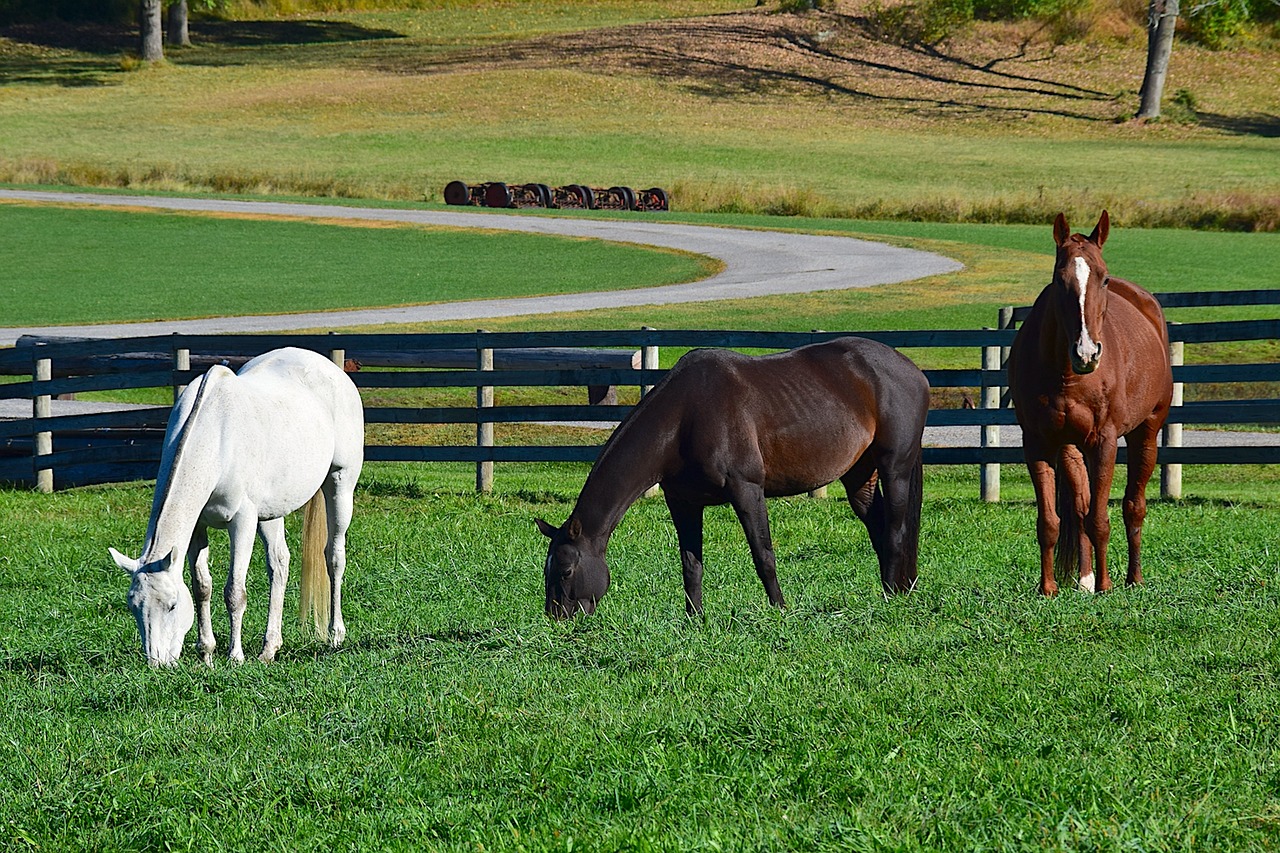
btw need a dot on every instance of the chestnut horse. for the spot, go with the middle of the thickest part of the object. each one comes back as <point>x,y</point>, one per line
<point>1089,364</point>
<point>722,427</point>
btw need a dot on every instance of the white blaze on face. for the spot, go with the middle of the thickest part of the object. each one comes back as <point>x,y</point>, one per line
<point>1086,348</point>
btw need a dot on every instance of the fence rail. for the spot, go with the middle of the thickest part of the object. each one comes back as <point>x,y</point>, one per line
<point>43,447</point>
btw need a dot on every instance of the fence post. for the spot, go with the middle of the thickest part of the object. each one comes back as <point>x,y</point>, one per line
<point>648,361</point>
<point>990,471</point>
<point>181,362</point>
<point>484,430</point>
<point>42,407</point>
<point>821,491</point>
<point>1171,472</point>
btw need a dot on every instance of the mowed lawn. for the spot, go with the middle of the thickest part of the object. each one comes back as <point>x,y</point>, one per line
<point>68,266</point>
<point>971,714</point>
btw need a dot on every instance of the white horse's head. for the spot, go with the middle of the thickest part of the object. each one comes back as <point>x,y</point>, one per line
<point>161,605</point>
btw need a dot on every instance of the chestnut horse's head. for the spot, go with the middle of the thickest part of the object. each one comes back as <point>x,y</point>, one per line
<point>576,574</point>
<point>1080,291</point>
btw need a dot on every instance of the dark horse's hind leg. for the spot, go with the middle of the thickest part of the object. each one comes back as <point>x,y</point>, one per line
<point>687,518</point>
<point>748,502</point>
<point>886,494</point>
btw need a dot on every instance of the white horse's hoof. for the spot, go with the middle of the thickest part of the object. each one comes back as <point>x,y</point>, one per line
<point>1086,583</point>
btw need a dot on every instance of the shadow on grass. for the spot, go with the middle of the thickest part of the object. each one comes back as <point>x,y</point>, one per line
<point>268,33</point>
<point>87,54</point>
<point>1258,124</point>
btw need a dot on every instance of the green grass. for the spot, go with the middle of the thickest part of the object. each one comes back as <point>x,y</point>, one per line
<point>971,714</point>
<point>87,266</point>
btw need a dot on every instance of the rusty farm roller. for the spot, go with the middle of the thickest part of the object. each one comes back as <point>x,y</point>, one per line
<point>571,197</point>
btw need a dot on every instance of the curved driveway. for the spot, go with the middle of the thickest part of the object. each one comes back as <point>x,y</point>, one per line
<point>756,263</point>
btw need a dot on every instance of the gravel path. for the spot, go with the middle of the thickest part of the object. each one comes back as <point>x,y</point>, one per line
<point>756,263</point>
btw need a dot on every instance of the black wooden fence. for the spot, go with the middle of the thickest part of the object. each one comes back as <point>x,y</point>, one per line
<point>41,447</point>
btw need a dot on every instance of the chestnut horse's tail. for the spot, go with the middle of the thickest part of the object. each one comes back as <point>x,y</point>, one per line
<point>313,585</point>
<point>1066,553</point>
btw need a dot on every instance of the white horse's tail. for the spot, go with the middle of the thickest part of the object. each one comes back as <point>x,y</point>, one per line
<point>313,586</point>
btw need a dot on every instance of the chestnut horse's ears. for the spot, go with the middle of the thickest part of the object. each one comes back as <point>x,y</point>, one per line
<point>1100,231</point>
<point>548,530</point>
<point>1061,231</point>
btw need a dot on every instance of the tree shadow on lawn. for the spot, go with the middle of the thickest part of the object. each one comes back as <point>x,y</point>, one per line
<point>87,54</point>
<point>1259,124</point>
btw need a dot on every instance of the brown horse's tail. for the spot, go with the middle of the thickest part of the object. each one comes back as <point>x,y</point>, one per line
<point>1066,553</point>
<point>313,586</point>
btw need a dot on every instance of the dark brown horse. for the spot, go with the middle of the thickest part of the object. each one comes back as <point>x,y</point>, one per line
<point>1090,364</point>
<point>728,428</point>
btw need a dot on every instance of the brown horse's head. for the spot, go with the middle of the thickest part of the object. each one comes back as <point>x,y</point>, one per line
<point>1080,291</point>
<point>576,574</point>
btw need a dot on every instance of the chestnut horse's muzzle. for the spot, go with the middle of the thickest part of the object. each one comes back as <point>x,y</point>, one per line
<point>1083,363</point>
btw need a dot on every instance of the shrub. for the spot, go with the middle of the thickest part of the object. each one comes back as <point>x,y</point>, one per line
<point>1216,23</point>
<point>924,22</point>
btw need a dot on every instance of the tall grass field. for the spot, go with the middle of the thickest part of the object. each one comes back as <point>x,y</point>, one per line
<point>971,714</point>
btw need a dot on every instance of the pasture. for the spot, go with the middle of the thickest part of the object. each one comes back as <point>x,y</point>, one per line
<point>970,714</point>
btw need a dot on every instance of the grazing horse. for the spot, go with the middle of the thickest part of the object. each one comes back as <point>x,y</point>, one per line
<point>242,451</point>
<point>722,427</point>
<point>1089,364</point>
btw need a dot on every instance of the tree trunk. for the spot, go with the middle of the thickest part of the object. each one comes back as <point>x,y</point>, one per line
<point>178,34</point>
<point>1162,19</point>
<point>149,20</point>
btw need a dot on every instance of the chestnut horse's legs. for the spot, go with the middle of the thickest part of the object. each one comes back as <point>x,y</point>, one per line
<point>1142,463</point>
<point>687,518</point>
<point>747,499</point>
<point>1098,522</point>
<point>1043,480</point>
<point>1075,503</point>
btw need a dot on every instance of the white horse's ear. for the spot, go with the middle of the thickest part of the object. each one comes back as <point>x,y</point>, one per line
<point>129,565</point>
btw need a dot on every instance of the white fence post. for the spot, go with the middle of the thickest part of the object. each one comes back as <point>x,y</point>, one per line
<point>42,407</point>
<point>648,361</point>
<point>821,491</point>
<point>484,430</point>
<point>1171,472</point>
<point>990,471</point>
<point>181,361</point>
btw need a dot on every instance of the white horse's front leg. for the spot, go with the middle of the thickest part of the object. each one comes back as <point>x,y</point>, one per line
<point>272,533</point>
<point>241,531</point>
<point>202,590</point>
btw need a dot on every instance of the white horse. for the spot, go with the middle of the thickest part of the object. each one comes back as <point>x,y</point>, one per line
<point>241,451</point>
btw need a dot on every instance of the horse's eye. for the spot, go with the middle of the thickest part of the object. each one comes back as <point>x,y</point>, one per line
<point>1106,280</point>
<point>173,605</point>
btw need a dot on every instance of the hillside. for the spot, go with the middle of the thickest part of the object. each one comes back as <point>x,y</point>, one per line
<point>745,109</point>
